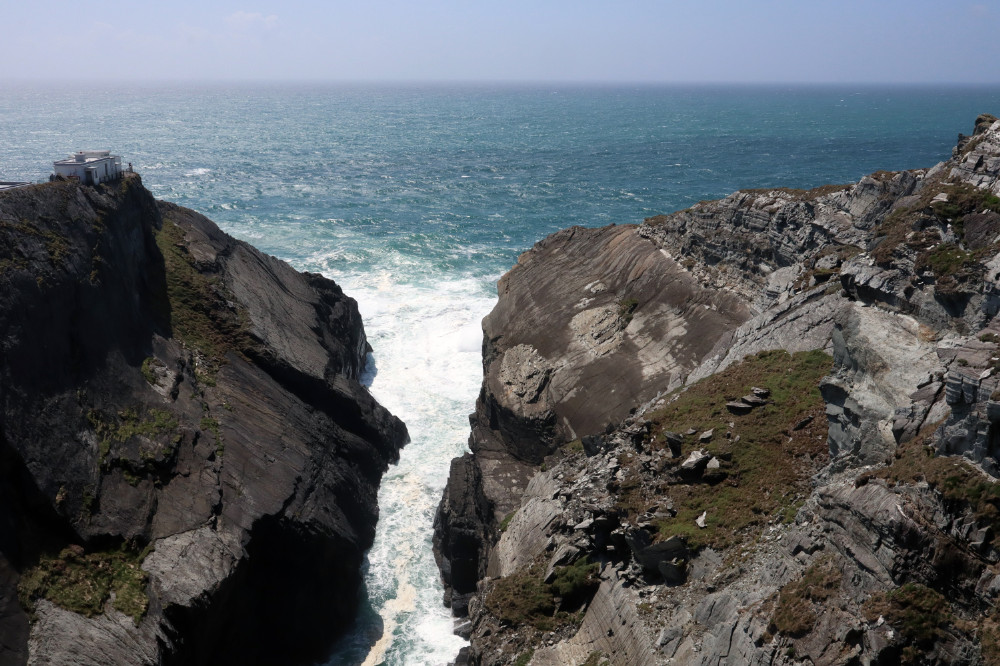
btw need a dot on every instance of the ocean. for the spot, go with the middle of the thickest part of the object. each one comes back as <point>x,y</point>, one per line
<point>416,199</point>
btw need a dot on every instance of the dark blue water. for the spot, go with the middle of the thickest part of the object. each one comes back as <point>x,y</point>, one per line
<point>417,198</point>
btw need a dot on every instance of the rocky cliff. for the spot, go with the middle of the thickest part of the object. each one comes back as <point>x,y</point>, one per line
<point>761,430</point>
<point>188,464</point>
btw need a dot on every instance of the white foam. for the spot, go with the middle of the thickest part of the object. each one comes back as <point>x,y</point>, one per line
<point>427,369</point>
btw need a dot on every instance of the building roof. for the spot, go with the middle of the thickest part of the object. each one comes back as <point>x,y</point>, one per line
<point>85,156</point>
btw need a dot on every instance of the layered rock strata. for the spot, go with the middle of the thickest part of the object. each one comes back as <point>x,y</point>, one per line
<point>190,464</point>
<point>844,513</point>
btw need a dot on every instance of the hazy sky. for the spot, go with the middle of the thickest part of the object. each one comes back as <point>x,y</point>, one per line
<point>937,41</point>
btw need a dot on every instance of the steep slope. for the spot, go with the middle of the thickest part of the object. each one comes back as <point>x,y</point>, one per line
<point>190,465</point>
<point>725,520</point>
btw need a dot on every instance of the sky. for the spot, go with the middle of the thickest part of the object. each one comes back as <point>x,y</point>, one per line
<point>654,41</point>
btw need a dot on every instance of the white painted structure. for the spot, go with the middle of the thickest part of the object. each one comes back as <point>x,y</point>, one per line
<point>91,166</point>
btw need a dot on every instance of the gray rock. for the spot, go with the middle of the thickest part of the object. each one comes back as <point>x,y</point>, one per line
<point>564,555</point>
<point>696,462</point>
<point>897,334</point>
<point>261,452</point>
<point>739,407</point>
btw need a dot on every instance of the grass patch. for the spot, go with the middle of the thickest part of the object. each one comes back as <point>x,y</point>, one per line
<point>83,583</point>
<point>961,485</point>
<point>575,583</point>
<point>57,247</point>
<point>505,523</point>
<point>524,599</point>
<point>127,424</point>
<point>794,615</point>
<point>945,259</point>
<point>208,424</point>
<point>196,306</point>
<point>148,369</point>
<point>525,658</point>
<point>917,612</point>
<point>626,309</point>
<point>989,634</point>
<point>963,199</point>
<point>763,476</point>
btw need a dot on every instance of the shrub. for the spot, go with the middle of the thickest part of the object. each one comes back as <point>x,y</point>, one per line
<point>627,308</point>
<point>148,369</point>
<point>523,598</point>
<point>916,611</point>
<point>794,615</point>
<point>83,583</point>
<point>947,259</point>
<point>576,583</point>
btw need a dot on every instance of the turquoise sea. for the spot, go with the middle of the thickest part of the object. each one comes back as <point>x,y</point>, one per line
<point>417,198</point>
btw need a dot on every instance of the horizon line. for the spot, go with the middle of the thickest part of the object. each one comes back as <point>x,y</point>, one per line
<point>488,82</point>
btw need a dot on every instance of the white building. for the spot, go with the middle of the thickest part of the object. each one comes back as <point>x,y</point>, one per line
<point>91,166</point>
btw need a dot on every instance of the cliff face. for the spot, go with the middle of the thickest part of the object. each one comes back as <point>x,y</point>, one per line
<point>189,464</point>
<point>804,442</point>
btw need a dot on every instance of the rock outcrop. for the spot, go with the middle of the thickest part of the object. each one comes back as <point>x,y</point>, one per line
<point>189,463</point>
<point>590,323</point>
<point>784,449</point>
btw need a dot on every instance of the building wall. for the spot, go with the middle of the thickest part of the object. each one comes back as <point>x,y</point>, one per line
<point>107,168</point>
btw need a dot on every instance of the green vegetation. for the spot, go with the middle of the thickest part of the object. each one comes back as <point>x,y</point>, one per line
<point>961,485</point>
<point>524,599</point>
<point>794,615</point>
<point>128,424</point>
<point>56,246</point>
<point>945,259</point>
<point>901,221</point>
<point>576,583</point>
<point>525,658</point>
<point>148,369</point>
<point>917,612</point>
<point>963,199</point>
<point>83,583</point>
<point>989,634</point>
<point>505,523</point>
<point>626,309</point>
<point>595,659</point>
<point>209,424</point>
<point>196,306</point>
<point>764,475</point>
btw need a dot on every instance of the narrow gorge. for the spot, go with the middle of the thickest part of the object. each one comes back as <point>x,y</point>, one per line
<point>762,430</point>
